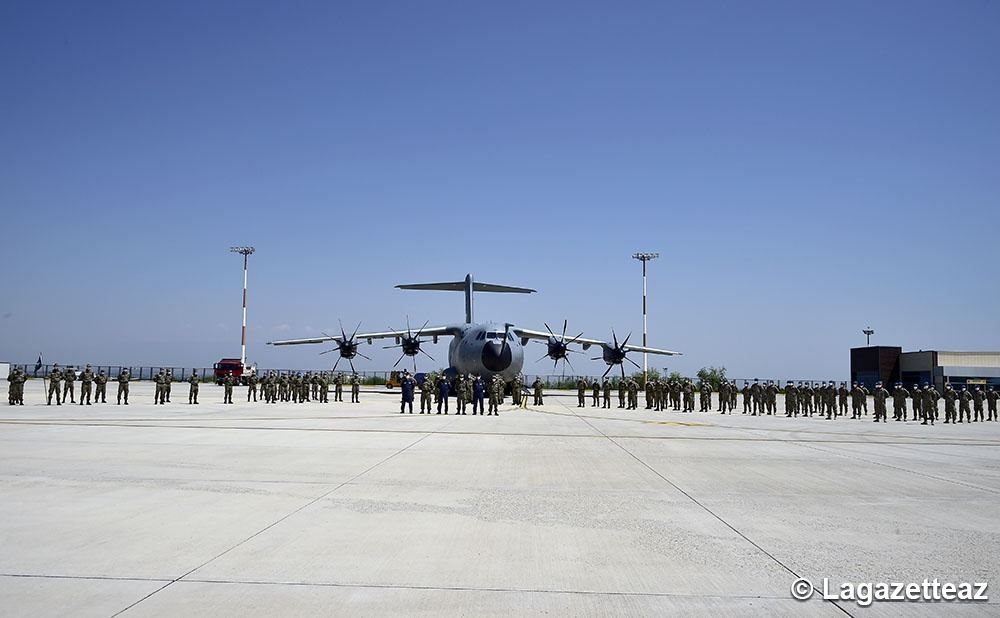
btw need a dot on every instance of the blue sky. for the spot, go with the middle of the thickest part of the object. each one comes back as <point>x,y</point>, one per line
<point>804,170</point>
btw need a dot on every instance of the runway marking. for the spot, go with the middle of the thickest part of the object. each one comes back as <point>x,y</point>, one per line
<point>279,520</point>
<point>710,512</point>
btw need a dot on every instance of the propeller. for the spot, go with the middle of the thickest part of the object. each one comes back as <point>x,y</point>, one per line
<point>558,346</point>
<point>410,344</point>
<point>347,346</point>
<point>616,354</point>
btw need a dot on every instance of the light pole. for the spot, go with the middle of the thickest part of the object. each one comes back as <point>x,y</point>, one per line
<point>644,257</point>
<point>245,252</point>
<point>868,336</point>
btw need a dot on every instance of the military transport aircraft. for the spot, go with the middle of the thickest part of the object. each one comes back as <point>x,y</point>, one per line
<point>479,348</point>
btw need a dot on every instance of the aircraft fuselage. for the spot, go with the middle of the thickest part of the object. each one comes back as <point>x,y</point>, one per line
<point>483,349</point>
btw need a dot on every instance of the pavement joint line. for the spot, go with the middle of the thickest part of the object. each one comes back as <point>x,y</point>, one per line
<point>903,440</point>
<point>389,586</point>
<point>708,510</point>
<point>276,522</point>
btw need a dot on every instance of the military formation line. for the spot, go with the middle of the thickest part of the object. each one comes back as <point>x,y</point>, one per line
<point>820,400</point>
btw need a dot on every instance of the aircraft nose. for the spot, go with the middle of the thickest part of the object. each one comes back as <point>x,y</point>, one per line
<point>496,356</point>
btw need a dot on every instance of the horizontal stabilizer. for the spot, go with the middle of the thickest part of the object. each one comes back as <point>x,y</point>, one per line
<point>459,286</point>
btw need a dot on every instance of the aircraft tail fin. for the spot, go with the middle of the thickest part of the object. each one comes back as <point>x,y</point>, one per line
<point>469,286</point>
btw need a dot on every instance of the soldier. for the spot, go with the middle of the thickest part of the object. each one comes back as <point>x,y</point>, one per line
<point>929,404</point>
<point>86,380</point>
<point>355,388</point>
<point>158,395</point>
<point>478,392</point>
<point>426,393</point>
<point>252,386</point>
<point>950,396</point>
<point>101,381</point>
<point>595,393</point>
<point>461,394</point>
<point>227,383</point>
<point>856,395</point>
<point>704,397</point>
<point>830,399</point>
<point>724,397</point>
<point>747,403</point>
<point>978,396</point>
<point>167,384</point>
<point>964,398</point>
<point>606,392</point>
<point>338,387</point>
<point>407,387</point>
<point>537,386</point>
<point>899,395</point>
<point>790,402</point>
<point>991,403</point>
<point>633,394</point>
<point>195,384</point>
<point>842,395</point>
<point>650,390</point>
<point>444,389</point>
<point>755,397</point>
<point>55,377</point>
<point>11,376</point>
<point>581,392</point>
<point>496,394</point>
<point>622,392</point>
<point>324,387</point>
<point>771,391</point>
<point>880,395</point>
<point>20,377</point>
<point>123,379</point>
<point>918,398</point>
<point>69,378</point>
<point>864,398</point>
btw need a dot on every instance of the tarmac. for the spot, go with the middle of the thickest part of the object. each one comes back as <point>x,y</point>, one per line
<point>354,509</point>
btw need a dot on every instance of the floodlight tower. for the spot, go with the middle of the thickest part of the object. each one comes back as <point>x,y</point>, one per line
<point>245,252</point>
<point>644,257</point>
<point>868,336</point>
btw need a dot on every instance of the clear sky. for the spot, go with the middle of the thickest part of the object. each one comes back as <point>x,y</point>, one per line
<point>805,169</point>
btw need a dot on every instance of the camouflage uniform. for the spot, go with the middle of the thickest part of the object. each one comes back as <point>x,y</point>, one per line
<point>195,384</point>
<point>69,378</point>
<point>55,378</point>
<point>124,377</point>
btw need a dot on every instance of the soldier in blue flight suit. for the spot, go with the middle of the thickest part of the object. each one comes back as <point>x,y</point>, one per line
<point>478,393</point>
<point>443,387</point>
<point>407,386</point>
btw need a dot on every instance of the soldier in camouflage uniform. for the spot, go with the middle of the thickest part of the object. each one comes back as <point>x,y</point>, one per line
<point>964,397</point>
<point>991,403</point>
<point>723,396</point>
<point>124,377</point>
<point>917,398</point>
<point>461,395</point>
<point>69,378</point>
<point>159,396</point>
<point>581,392</point>
<point>633,394</point>
<point>791,393</point>
<point>86,382</point>
<point>929,404</point>
<point>252,386</point>
<point>517,390</point>
<point>899,395</point>
<point>227,384</point>
<point>622,392</point>
<point>167,384</point>
<point>537,387</point>
<point>856,395</point>
<point>55,382</point>
<point>978,397</point>
<point>704,397</point>
<point>194,384</point>
<point>880,395</point>
<point>426,394</point>
<point>950,397</point>
<point>355,388</point>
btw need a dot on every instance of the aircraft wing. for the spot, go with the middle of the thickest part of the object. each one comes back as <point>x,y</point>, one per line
<point>436,331</point>
<point>525,333</point>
